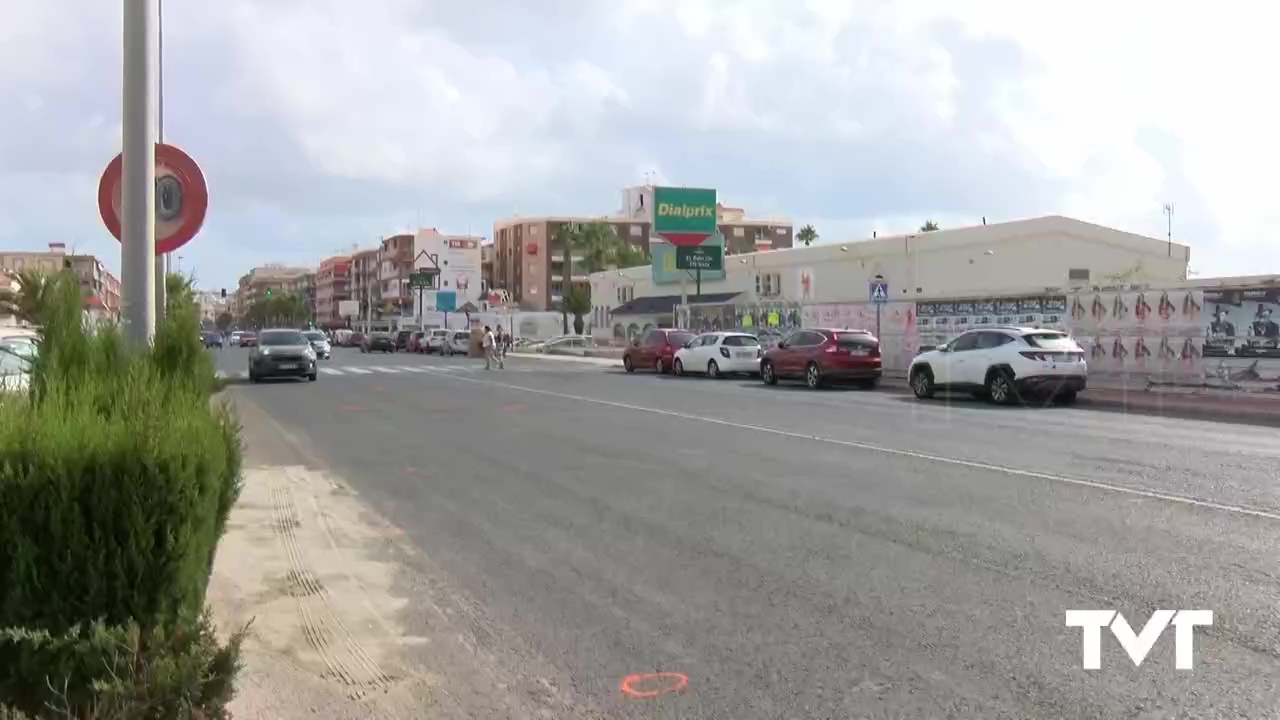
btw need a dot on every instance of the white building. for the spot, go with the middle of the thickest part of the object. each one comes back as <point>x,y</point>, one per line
<point>1040,254</point>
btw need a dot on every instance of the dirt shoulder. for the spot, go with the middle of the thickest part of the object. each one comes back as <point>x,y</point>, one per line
<point>316,575</point>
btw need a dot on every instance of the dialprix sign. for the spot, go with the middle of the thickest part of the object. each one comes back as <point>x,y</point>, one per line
<point>684,216</point>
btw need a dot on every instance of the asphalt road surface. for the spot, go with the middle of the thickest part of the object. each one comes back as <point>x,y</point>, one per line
<point>799,554</point>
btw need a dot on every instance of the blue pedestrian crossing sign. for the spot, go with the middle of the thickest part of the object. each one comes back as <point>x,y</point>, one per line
<point>879,292</point>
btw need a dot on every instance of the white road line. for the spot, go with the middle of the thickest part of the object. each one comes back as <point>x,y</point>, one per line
<point>410,368</point>
<point>898,452</point>
<point>388,370</point>
<point>331,371</point>
<point>358,371</point>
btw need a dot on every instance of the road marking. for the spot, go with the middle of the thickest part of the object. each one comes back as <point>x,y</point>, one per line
<point>660,683</point>
<point>389,370</point>
<point>330,371</point>
<point>409,368</point>
<point>358,371</point>
<point>897,452</point>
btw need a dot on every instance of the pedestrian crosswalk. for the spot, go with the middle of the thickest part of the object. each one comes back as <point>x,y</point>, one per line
<point>372,371</point>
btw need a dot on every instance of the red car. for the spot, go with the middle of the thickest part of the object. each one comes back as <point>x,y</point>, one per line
<point>655,350</point>
<point>824,356</point>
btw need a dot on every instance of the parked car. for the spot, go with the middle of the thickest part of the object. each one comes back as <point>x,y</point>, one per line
<point>282,353</point>
<point>379,342</point>
<point>417,342</point>
<point>437,339</point>
<point>719,353</point>
<point>568,345</point>
<point>248,339</point>
<point>1004,365</point>
<point>320,343</point>
<point>458,343</point>
<point>17,354</point>
<point>819,356</point>
<point>655,350</point>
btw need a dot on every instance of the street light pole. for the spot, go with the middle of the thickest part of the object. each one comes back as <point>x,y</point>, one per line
<point>162,260</point>
<point>138,181</point>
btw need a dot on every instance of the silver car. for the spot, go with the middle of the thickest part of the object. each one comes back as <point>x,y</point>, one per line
<point>282,353</point>
<point>320,343</point>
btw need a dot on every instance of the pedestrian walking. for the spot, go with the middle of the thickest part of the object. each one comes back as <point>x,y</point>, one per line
<point>491,356</point>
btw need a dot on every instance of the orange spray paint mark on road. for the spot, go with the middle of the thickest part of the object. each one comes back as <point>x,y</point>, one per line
<point>515,407</point>
<point>651,685</point>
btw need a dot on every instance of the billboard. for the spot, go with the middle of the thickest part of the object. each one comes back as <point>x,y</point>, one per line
<point>684,216</point>
<point>665,263</point>
<point>458,261</point>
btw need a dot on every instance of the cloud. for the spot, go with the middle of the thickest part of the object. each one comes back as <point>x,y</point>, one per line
<point>323,124</point>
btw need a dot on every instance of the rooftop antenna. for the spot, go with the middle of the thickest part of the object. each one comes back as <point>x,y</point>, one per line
<point>1168,213</point>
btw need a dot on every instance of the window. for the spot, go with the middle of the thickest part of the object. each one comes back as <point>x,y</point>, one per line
<point>988,340</point>
<point>1078,274</point>
<point>781,231</point>
<point>769,284</point>
<point>679,338</point>
<point>740,341</point>
<point>855,341</point>
<point>1051,341</point>
<point>706,341</point>
<point>739,232</point>
<point>968,341</point>
<point>636,230</point>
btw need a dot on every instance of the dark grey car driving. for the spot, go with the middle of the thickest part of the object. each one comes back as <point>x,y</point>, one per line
<point>282,353</point>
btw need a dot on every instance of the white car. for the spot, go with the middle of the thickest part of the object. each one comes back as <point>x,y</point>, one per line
<point>234,340</point>
<point>458,342</point>
<point>719,353</point>
<point>1003,364</point>
<point>437,340</point>
<point>577,345</point>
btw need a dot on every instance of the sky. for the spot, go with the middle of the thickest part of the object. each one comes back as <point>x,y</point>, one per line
<point>326,124</point>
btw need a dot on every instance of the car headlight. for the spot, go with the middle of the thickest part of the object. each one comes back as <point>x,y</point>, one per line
<point>264,351</point>
<point>310,354</point>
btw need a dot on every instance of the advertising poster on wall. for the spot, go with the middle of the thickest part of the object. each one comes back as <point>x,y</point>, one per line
<point>1151,332</point>
<point>1241,336</point>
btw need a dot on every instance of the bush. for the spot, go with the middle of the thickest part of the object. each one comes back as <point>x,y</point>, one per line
<point>116,480</point>
<point>106,673</point>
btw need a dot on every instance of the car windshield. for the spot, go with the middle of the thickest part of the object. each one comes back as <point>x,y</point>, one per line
<point>316,337</point>
<point>740,341</point>
<point>16,356</point>
<point>282,337</point>
<point>1050,341</point>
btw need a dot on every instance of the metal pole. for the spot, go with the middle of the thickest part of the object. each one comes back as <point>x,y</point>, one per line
<point>138,181</point>
<point>878,306</point>
<point>162,261</point>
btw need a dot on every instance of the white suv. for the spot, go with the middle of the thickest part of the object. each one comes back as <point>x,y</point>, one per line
<point>1003,364</point>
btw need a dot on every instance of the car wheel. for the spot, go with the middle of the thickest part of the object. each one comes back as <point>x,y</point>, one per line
<point>713,370</point>
<point>813,376</point>
<point>679,367</point>
<point>767,374</point>
<point>312,377</point>
<point>922,383</point>
<point>1000,387</point>
<point>626,364</point>
<point>660,367</point>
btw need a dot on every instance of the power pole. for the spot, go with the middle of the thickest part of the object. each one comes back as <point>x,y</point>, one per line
<point>1168,212</point>
<point>162,260</point>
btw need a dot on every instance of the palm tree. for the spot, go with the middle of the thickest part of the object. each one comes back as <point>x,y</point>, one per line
<point>807,235</point>
<point>578,303</point>
<point>928,226</point>
<point>28,299</point>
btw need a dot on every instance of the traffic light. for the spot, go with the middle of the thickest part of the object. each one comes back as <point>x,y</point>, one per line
<point>224,293</point>
<point>268,292</point>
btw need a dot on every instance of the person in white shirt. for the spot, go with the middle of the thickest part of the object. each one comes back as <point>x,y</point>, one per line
<point>491,355</point>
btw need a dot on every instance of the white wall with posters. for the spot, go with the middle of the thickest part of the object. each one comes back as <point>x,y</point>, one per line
<point>457,257</point>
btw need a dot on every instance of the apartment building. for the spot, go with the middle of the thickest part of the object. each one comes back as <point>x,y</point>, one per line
<point>394,265</point>
<point>487,252</point>
<point>332,286</point>
<point>263,280</point>
<point>366,281</point>
<point>304,286</point>
<point>101,287</point>
<point>532,271</point>
<point>211,304</point>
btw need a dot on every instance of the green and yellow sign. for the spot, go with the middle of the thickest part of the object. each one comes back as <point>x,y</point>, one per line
<point>684,216</point>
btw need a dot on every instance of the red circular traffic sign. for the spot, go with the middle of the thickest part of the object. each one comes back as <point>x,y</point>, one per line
<point>182,197</point>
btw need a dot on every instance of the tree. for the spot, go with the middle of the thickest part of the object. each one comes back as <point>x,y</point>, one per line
<point>928,226</point>
<point>577,302</point>
<point>277,310</point>
<point>224,321</point>
<point>628,255</point>
<point>807,235</point>
<point>27,301</point>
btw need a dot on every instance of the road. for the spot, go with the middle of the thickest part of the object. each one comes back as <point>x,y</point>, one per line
<point>799,554</point>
